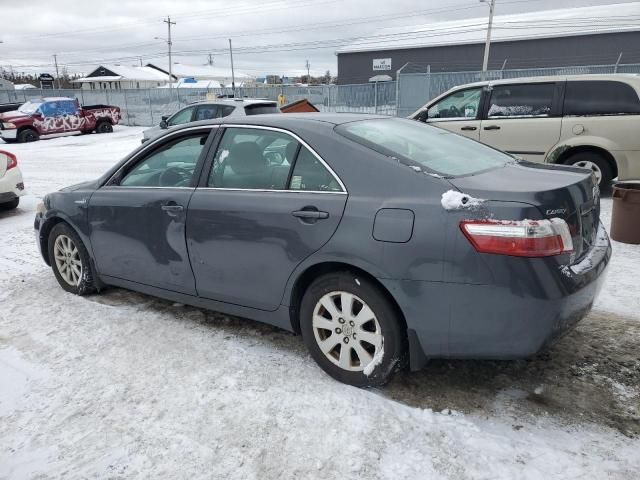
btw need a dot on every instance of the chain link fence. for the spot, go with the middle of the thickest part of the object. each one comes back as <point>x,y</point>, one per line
<point>414,87</point>
<point>145,107</point>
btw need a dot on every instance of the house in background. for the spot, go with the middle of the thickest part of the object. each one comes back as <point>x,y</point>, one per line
<point>24,86</point>
<point>203,72</point>
<point>116,77</point>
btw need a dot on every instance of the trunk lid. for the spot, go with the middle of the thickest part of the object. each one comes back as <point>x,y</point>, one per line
<point>557,191</point>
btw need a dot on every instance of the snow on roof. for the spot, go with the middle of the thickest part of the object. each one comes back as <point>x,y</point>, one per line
<point>200,72</point>
<point>124,72</point>
<point>619,17</point>
<point>191,83</point>
<point>24,86</point>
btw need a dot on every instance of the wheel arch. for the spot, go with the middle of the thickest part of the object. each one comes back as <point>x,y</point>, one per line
<point>312,272</point>
<point>562,154</point>
<point>27,127</point>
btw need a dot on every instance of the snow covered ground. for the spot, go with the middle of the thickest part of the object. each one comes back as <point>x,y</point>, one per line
<point>122,385</point>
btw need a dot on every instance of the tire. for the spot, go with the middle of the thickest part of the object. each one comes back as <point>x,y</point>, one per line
<point>9,140</point>
<point>28,135</point>
<point>384,329</point>
<point>10,205</point>
<point>104,127</point>
<point>596,163</point>
<point>64,240</point>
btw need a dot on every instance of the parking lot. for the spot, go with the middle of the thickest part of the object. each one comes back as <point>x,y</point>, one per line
<point>120,384</point>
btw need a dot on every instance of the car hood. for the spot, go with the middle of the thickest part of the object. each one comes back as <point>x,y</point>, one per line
<point>13,115</point>
<point>153,132</point>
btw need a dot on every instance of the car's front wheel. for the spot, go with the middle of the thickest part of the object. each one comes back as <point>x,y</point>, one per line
<point>351,329</point>
<point>70,260</point>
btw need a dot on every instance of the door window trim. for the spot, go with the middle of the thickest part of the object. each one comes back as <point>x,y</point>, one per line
<point>479,110</point>
<point>152,145</point>
<point>202,184</point>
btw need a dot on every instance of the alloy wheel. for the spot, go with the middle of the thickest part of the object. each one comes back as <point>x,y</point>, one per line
<point>67,259</point>
<point>347,331</point>
<point>591,166</point>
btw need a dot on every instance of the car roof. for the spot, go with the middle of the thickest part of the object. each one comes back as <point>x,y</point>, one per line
<point>287,121</point>
<point>236,101</point>
<point>631,77</point>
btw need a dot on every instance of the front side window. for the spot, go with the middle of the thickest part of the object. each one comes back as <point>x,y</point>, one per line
<point>416,144</point>
<point>600,98</point>
<point>172,165</point>
<point>254,159</point>
<point>459,105</point>
<point>532,100</point>
<point>183,116</point>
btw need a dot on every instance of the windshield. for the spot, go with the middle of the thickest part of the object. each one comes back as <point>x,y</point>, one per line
<point>417,144</point>
<point>29,107</point>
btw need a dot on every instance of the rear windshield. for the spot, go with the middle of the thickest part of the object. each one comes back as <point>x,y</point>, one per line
<point>261,108</point>
<point>417,144</point>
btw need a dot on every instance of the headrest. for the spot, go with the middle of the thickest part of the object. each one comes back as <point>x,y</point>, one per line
<point>246,158</point>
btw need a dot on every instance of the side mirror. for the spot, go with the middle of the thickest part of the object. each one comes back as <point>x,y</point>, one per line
<point>163,122</point>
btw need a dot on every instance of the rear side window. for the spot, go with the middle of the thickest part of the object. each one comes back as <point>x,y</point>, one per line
<point>311,175</point>
<point>417,144</point>
<point>261,108</point>
<point>600,98</point>
<point>527,100</point>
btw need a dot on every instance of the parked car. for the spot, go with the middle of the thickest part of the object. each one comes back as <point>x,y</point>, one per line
<point>11,184</point>
<point>208,109</point>
<point>377,238</point>
<point>590,121</point>
<point>55,115</point>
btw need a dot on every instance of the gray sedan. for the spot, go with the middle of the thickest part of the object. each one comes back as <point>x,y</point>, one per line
<point>382,241</point>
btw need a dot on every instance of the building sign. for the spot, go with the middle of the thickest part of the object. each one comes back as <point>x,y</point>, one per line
<point>382,64</point>
<point>46,81</point>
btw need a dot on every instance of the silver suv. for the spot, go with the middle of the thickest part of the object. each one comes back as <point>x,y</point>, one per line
<point>208,109</point>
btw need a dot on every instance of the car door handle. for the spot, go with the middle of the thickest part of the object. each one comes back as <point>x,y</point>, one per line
<point>469,128</point>
<point>172,208</point>
<point>310,214</point>
<point>492,127</point>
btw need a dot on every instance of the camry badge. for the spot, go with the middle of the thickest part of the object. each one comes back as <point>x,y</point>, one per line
<point>557,211</point>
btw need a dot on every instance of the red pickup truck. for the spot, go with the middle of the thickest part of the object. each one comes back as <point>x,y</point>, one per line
<point>55,115</point>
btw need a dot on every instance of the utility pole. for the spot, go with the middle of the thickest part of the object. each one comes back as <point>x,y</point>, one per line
<point>487,44</point>
<point>169,43</point>
<point>308,65</point>
<point>210,60</point>
<point>55,60</point>
<point>140,58</point>
<point>233,75</point>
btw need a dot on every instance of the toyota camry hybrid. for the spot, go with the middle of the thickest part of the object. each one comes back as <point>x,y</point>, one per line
<point>382,241</point>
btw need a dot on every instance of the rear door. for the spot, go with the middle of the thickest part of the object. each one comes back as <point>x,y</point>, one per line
<point>258,212</point>
<point>137,220</point>
<point>458,112</point>
<point>523,119</point>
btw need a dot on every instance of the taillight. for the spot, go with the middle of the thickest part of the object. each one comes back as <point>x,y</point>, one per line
<point>12,161</point>
<point>523,238</point>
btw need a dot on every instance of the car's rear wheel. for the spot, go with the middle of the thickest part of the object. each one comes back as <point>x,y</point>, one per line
<point>596,163</point>
<point>104,127</point>
<point>70,260</point>
<point>28,135</point>
<point>351,329</point>
<point>11,204</point>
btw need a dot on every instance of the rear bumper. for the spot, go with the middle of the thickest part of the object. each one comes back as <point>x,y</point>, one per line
<point>459,320</point>
<point>11,185</point>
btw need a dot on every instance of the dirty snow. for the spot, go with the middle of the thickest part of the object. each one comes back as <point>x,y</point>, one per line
<point>122,385</point>
<point>455,200</point>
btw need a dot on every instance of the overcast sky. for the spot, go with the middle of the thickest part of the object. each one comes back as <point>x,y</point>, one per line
<point>269,36</point>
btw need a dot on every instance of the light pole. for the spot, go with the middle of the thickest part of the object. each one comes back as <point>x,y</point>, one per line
<point>487,44</point>
<point>169,43</point>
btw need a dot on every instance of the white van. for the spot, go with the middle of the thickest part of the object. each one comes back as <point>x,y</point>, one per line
<point>591,121</point>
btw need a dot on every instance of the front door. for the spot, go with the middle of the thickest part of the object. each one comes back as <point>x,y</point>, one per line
<point>523,119</point>
<point>138,219</point>
<point>458,112</point>
<point>267,203</point>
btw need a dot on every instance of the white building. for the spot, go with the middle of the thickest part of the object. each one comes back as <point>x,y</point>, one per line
<point>116,77</point>
<point>203,72</point>
<point>6,84</point>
